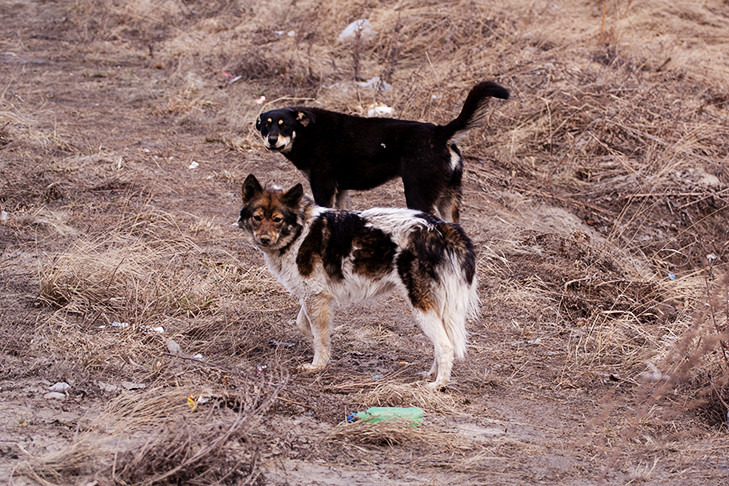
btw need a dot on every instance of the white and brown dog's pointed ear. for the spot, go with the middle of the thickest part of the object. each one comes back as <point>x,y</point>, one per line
<point>304,118</point>
<point>251,187</point>
<point>293,196</point>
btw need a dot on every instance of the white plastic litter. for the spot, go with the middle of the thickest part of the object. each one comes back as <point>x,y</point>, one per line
<point>61,386</point>
<point>157,329</point>
<point>652,373</point>
<point>380,110</point>
<point>375,83</point>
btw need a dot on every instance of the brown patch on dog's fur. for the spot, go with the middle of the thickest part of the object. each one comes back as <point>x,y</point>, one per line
<point>418,263</point>
<point>373,253</point>
<point>334,235</point>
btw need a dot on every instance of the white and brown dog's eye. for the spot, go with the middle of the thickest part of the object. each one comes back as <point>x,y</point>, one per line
<point>258,218</point>
<point>277,219</point>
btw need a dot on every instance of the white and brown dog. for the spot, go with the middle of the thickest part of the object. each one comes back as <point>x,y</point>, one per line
<point>322,255</point>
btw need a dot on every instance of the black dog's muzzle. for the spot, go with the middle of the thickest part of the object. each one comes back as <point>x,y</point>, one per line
<point>272,142</point>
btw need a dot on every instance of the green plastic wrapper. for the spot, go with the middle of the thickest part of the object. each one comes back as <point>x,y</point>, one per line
<point>378,414</point>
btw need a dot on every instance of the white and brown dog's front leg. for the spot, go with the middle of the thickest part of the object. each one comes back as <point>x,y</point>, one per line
<point>316,311</point>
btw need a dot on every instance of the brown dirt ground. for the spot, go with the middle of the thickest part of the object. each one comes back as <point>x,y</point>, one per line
<point>596,197</point>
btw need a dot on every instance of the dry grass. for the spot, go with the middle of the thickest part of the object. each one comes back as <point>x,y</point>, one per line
<point>109,277</point>
<point>388,394</point>
<point>156,437</point>
<point>594,197</point>
<point>698,362</point>
<point>397,432</point>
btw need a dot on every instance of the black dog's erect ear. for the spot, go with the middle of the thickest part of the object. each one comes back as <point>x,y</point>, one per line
<point>293,196</point>
<point>304,118</point>
<point>258,123</point>
<point>251,187</point>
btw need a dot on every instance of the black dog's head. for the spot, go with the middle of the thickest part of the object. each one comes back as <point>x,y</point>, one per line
<point>278,127</point>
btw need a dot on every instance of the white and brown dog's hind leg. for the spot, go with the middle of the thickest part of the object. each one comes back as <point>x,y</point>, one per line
<point>433,327</point>
<point>430,375</point>
<point>318,313</point>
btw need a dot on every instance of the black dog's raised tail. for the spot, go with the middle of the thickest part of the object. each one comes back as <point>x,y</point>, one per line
<point>474,108</point>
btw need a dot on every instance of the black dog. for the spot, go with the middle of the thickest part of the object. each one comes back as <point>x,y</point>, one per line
<point>338,152</point>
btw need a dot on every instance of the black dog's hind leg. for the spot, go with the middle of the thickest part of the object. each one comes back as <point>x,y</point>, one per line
<point>421,192</point>
<point>449,204</point>
<point>449,201</point>
<point>427,184</point>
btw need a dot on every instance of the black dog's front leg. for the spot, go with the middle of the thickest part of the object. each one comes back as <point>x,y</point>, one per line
<point>323,190</point>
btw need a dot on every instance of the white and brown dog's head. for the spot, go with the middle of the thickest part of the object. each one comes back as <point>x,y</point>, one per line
<point>278,127</point>
<point>270,216</point>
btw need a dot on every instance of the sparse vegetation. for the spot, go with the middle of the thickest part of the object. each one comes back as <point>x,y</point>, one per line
<point>597,198</point>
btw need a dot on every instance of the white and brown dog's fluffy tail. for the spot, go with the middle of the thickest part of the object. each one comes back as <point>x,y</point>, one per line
<point>460,302</point>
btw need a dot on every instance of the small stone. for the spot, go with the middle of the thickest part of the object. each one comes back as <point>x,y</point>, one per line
<point>360,30</point>
<point>106,387</point>
<point>173,347</point>
<point>133,386</point>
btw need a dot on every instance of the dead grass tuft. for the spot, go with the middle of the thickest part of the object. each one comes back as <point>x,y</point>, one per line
<point>109,277</point>
<point>397,433</point>
<point>388,394</point>
<point>698,361</point>
<point>156,437</point>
